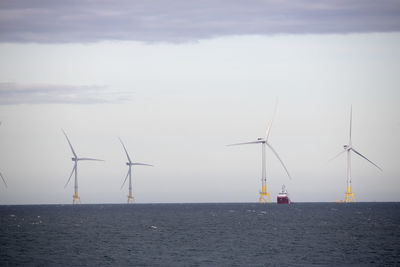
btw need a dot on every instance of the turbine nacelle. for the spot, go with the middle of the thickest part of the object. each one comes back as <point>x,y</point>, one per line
<point>347,147</point>
<point>74,159</point>
<point>129,164</point>
<point>262,140</point>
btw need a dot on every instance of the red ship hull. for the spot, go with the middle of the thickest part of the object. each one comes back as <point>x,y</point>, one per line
<point>283,200</point>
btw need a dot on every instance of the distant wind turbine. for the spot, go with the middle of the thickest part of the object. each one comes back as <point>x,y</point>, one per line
<point>75,198</point>
<point>2,177</point>
<point>264,195</point>
<point>349,148</point>
<point>129,174</point>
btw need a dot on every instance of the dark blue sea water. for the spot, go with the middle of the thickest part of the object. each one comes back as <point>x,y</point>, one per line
<point>301,234</point>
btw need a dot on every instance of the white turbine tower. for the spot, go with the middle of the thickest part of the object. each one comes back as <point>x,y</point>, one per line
<point>264,195</point>
<point>2,177</point>
<point>75,198</point>
<point>348,149</point>
<point>129,174</point>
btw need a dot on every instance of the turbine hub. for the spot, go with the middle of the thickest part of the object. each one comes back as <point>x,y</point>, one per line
<point>346,147</point>
<point>74,159</point>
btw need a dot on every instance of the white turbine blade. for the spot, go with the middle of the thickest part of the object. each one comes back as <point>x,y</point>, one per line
<point>4,180</point>
<point>351,117</point>
<point>72,149</point>
<point>247,143</point>
<point>90,159</point>
<point>125,180</point>
<point>272,121</point>
<point>338,155</point>
<point>358,153</point>
<point>69,179</point>
<point>276,154</point>
<point>129,159</point>
<point>142,164</point>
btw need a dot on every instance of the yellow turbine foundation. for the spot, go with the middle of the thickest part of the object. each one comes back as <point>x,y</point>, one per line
<point>131,199</point>
<point>76,199</point>
<point>264,196</point>
<point>349,196</point>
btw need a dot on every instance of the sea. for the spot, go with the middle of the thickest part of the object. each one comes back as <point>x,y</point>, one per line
<point>215,234</point>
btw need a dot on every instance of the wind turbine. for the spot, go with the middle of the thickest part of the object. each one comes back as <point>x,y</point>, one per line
<point>348,149</point>
<point>264,195</point>
<point>75,198</point>
<point>2,177</point>
<point>129,174</point>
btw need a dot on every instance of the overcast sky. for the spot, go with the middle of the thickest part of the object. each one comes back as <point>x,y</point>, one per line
<point>177,81</point>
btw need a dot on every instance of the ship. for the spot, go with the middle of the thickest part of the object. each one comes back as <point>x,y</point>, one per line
<point>283,197</point>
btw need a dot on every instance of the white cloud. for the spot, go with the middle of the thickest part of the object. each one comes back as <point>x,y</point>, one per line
<point>12,93</point>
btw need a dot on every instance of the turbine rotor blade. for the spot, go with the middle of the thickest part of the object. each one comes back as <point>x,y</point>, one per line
<point>127,155</point>
<point>4,180</point>
<point>142,164</point>
<point>72,149</point>
<point>358,153</point>
<point>247,143</point>
<point>125,180</point>
<point>69,179</point>
<point>351,118</point>
<point>337,155</point>
<point>276,154</point>
<point>90,159</point>
<point>272,121</point>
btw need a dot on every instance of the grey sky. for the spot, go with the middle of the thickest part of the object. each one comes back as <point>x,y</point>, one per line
<point>179,81</point>
<point>179,20</point>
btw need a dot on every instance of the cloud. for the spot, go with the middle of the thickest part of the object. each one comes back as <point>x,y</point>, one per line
<point>48,21</point>
<point>12,93</point>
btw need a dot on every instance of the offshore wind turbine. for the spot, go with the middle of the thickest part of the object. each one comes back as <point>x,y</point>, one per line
<point>131,199</point>
<point>264,195</point>
<point>75,198</point>
<point>348,149</point>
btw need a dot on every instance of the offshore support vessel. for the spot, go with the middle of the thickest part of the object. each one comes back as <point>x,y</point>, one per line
<point>283,197</point>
